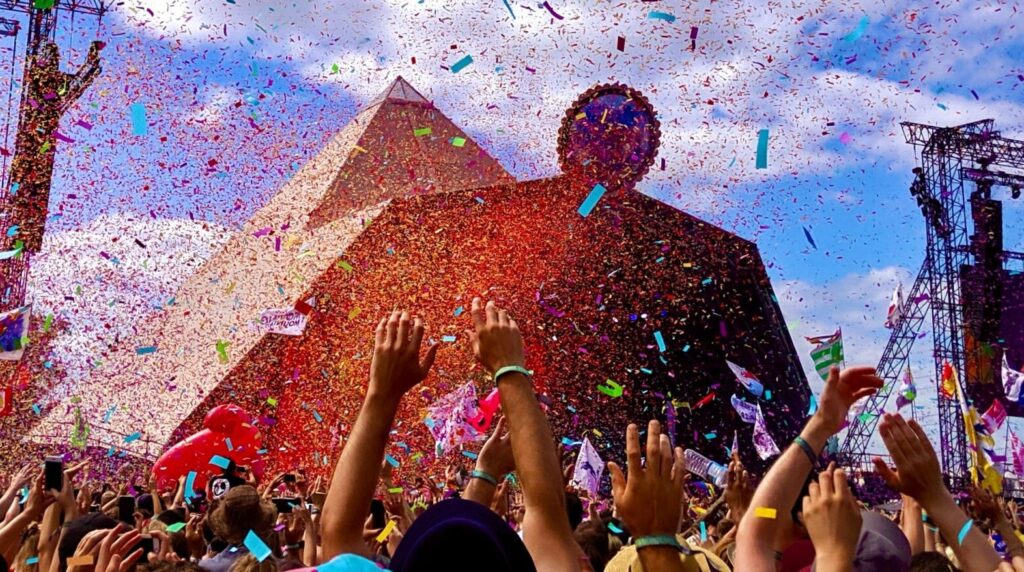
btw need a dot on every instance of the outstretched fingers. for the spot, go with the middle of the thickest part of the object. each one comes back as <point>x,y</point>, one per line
<point>632,449</point>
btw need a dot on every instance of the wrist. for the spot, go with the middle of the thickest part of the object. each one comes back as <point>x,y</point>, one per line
<point>834,559</point>
<point>818,430</point>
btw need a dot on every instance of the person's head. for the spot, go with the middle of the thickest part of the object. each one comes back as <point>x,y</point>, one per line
<point>249,563</point>
<point>724,526</point>
<point>592,537</point>
<point>75,531</point>
<point>29,548</point>
<point>458,535</point>
<point>931,562</point>
<point>240,511</point>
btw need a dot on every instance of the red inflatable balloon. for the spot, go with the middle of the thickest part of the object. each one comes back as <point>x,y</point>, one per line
<point>228,434</point>
<point>488,407</point>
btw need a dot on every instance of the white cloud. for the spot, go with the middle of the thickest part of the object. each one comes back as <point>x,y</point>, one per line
<point>101,282</point>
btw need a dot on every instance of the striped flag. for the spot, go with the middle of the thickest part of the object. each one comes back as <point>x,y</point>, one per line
<point>1018,455</point>
<point>895,312</point>
<point>984,470</point>
<point>948,388</point>
<point>746,379</point>
<point>827,352</point>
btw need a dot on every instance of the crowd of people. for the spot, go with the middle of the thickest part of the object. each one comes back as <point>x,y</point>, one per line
<point>516,511</point>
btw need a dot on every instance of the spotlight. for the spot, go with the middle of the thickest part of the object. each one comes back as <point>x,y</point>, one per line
<point>1015,192</point>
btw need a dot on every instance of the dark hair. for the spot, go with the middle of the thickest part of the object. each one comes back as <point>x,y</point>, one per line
<point>724,526</point>
<point>931,562</point>
<point>574,506</point>
<point>75,531</point>
<point>593,540</point>
<point>172,516</point>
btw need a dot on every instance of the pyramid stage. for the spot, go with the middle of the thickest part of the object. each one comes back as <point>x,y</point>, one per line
<point>402,209</point>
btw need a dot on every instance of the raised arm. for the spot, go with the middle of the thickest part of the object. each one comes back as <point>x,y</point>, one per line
<point>779,490</point>
<point>395,368</point>
<point>546,532</point>
<point>918,475</point>
<point>492,464</point>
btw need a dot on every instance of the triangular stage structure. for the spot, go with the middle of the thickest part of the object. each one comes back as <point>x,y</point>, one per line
<point>400,145</point>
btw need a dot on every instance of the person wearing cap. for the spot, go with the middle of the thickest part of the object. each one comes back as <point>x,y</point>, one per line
<point>455,534</point>
<point>239,512</point>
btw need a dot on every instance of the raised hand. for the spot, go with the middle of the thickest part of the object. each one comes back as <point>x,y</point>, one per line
<point>842,389</point>
<point>37,500</point>
<point>832,519</point>
<point>649,499</point>
<point>496,340</point>
<point>738,488</point>
<point>917,471</point>
<point>495,457</point>
<point>396,366</point>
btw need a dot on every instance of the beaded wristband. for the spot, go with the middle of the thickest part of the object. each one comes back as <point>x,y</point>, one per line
<point>510,369</point>
<point>806,448</point>
<point>657,540</point>
<point>485,476</point>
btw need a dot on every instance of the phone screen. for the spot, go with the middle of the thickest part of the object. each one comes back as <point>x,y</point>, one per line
<point>318,499</point>
<point>54,473</point>
<point>377,510</point>
<point>126,509</point>
<point>289,478</point>
<point>284,505</point>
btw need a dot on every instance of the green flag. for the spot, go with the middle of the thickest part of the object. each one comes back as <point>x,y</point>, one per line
<point>827,352</point>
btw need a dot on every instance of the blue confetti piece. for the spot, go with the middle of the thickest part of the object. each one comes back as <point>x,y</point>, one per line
<point>13,230</point>
<point>140,126</point>
<point>469,454</point>
<point>145,350</point>
<point>190,483</point>
<point>706,281</point>
<point>317,416</point>
<point>710,436</point>
<point>111,451</point>
<point>429,422</point>
<point>647,371</point>
<point>109,413</point>
<point>686,348</point>
<point>461,64</point>
<point>762,149</point>
<point>857,32</point>
<point>448,339</point>
<point>703,532</point>
<point>661,341</point>
<point>613,528</point>
<point>768,395</point>
<point>35,408</point>
<point>459,311</point>
<point>810,239</point>
<point>219,461</point>
<point>31,560</point>
<point>662,16</point>
<point>509,6</point>
<point>391,461</point>
<point>256,546</point>
<point>133,437</point>
<point>227,441</point>
<point>15,187</point>
<point>591,201</point>
<point>261,452</point>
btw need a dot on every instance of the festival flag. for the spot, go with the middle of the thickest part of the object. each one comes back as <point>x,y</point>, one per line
<point>949,385</point>
<point>589,468</point>
<point>14,333</point>
<point>763,442</point>
<point>747,411</point>
<point>895,313</point>
<point>79,431</point>
<point>994,416</point>
<point>984,470</point>
<point>448,418</point>
<point>746,378</point>
<point>908,392</point>
<point>1018,455</point>
<point>1012,380</point>
<point>827,352</point>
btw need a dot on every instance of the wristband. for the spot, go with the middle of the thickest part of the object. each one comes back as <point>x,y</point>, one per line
<point>806,448</point>
<point>658,540</point>
<point>510,369</point>
<point>484,475</point>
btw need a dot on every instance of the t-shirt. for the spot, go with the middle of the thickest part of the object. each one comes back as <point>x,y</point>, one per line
<point>345,563</point>
<point>224,559</point>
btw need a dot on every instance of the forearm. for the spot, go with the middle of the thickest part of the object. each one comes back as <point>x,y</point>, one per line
<point>778,491</point>
<point>660,558</point>
<point>311,539</point>
<point>536,463</point>
<point>1014,547</point>
<point>974,552</point>
<point>10,534</point>
<point>355,477</point>
<point>913,527</point>
<point>6,501</point>
<point>479,491</point>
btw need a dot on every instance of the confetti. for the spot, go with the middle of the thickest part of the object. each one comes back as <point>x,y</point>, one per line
<point>257,547</point>
<point>654,15</point>
<point>556,15</point>
<point>140,126</point>
<point>591,201</point>
<point>762,149</point>
<point>765,512</point>
<point>461,64</point>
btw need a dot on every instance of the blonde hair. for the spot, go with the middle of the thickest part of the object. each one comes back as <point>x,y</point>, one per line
<point>29,548</point>
<point>248,563</point>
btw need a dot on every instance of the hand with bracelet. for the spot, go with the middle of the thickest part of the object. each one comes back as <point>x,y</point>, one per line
<point>492,464</point>
<point>649,499</point>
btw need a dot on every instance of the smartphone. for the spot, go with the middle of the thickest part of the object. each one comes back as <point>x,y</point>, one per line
<point>289,479</point>
<point>54,473</point>
<point>284,505</point>
<point>126,509</point>
<point>319,499</point>
<point>377,511</point>
<point>149,544</point>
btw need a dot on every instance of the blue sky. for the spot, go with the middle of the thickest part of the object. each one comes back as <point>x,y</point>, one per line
<point>232,87</point>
